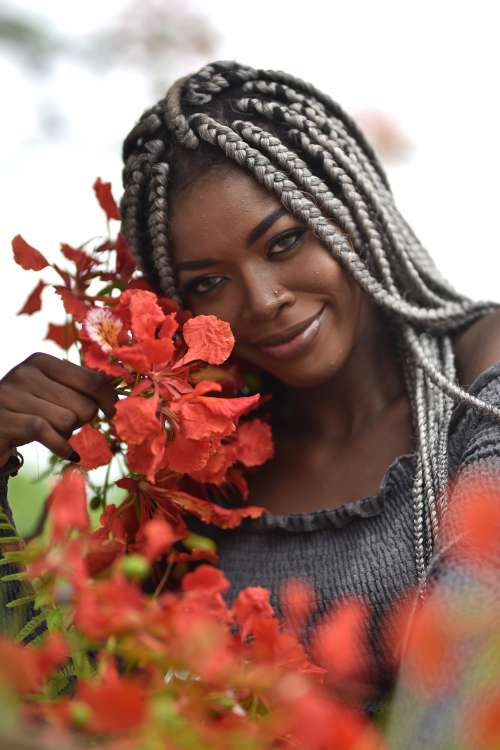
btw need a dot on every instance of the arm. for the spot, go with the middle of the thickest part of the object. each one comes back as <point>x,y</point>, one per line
<point>45,399</point>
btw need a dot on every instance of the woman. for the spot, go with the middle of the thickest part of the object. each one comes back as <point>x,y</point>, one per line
<point>252,196</point>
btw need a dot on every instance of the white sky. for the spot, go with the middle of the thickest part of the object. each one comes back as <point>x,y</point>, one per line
<point>431,66</point>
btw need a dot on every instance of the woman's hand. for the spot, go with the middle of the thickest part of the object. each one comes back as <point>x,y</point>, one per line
<point>45,399</point>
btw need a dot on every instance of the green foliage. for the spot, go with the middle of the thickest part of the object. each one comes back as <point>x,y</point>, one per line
<point>26,497</point>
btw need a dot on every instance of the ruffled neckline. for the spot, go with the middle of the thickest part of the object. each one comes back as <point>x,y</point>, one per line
<point>365,507</point>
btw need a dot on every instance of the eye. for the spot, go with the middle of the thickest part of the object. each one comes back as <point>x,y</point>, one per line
<point>203,285</point>
<point>287,241</point>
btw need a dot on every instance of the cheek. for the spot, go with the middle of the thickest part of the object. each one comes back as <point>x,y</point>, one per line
<point>324,275</point>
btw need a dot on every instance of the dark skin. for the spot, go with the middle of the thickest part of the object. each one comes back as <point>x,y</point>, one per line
<point>348,414</point>
<point>46,399</point>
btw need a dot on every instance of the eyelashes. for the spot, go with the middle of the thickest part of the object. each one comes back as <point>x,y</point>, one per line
<point>287,241</point>
<point>290,239</point>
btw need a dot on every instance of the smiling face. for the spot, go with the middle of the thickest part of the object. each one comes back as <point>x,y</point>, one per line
<point>241,256</point>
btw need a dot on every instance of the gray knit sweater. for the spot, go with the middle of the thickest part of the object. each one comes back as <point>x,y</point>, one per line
<point>364,547</point>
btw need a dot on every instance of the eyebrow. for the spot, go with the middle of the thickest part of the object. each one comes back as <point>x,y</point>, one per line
<point>258,231</point>
<point>264,225</point>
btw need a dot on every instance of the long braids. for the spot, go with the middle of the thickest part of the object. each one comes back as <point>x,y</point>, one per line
<point>300,145</point>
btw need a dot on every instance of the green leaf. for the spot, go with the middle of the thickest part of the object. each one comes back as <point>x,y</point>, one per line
<point>31,626</point>
<point>14,577</point>
<point>12,558</point>
<point>7,527</point>
<point>54,619</point>
<point>20,601</point>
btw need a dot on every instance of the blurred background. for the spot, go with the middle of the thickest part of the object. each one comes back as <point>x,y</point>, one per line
<point>421,78</point>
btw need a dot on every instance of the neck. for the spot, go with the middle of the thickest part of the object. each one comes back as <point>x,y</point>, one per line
<point>369,381</point>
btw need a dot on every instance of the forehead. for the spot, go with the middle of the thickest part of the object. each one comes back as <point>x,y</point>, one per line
<point>222,205</point>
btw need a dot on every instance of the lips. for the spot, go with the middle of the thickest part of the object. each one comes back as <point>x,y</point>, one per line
<point>299,342</point>
<point>288,334</point>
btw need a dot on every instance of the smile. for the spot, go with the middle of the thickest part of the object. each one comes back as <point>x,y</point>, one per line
<point>298,343</point>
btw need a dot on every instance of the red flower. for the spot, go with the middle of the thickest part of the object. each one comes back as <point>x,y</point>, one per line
<point>297,600</point>
<point>147,457</point>
<point>205,579</point>
<point>208,339</point>
<point>474,517</point>
<point>97,359</point>
<point>62,335</point>
<point>109,607</point>
<point>140,311</point>
<point>204,416</point>
<point>68,505</point>
<point>65,561</point>
<point>125,263</point>
<point>105,198</point>
<point>136,419</point>
<point>117,704</point>
<point>431,654</point>
<point>339,641</point>
<point>73,305</point>
<point>79,257</point>
<point>155,538</point>
<point>203,589</point>
<point>92,447</point>
<point>250,605</point>
<point>27,667</point>
<point>481,722</point>
<point>215,470</point>
<point>186,456</point>
<point>254,443</point>
<point>318,723</point>
<point>34,301</point>
<point>27,256</point>
<point>103,327</point>
<point>208,512</point>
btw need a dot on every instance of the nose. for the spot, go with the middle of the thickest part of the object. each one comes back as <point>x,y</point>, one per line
<point>263,297</point>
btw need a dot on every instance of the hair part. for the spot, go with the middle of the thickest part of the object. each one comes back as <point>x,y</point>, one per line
<point>301,146</point>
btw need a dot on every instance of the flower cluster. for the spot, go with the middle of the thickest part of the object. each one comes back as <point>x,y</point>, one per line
<point>128,640</point>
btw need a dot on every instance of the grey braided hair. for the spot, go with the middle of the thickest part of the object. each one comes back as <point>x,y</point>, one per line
<point>300,145</point>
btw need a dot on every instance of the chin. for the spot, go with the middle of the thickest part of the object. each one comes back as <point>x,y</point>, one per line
<point>297,375</point>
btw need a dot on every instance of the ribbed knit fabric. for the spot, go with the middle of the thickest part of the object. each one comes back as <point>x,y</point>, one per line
<point>364,547</point>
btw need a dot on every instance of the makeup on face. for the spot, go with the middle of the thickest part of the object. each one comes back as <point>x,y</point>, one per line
<point>297,343</point>
<point>234,246</point>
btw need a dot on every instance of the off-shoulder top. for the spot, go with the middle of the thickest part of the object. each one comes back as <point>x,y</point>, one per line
<point>364,547</point>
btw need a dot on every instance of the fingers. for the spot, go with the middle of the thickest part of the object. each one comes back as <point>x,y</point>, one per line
<point>60,418</point>
<point>94,385</point>
<point>83,408</point>
<point>19,429</point>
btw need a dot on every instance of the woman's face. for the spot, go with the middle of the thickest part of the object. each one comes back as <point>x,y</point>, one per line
<point>241,256</point>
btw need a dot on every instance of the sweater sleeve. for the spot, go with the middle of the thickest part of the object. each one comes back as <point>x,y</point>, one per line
<point>464,596</point>
<point>12,620</point>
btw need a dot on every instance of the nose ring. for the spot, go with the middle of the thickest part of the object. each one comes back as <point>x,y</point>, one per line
<point>276,291</point>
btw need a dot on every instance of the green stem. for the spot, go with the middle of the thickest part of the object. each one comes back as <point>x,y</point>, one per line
<point>106,484</point>
<point>163,579</point>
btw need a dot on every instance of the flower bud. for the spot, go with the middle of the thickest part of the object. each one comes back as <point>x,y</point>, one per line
<point>196,541</point>
<point>135,566</point>
<point>80,713</point>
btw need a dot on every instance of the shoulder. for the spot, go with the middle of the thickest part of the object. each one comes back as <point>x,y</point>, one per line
<point>478,347</point>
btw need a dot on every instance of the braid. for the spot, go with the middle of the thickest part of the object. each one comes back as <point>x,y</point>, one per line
<point>300,145</point>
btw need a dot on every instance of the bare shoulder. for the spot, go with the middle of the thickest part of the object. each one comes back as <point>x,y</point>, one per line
<point>478,347</point>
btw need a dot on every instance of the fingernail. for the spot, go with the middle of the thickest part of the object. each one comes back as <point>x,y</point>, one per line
<point>74,456</point>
